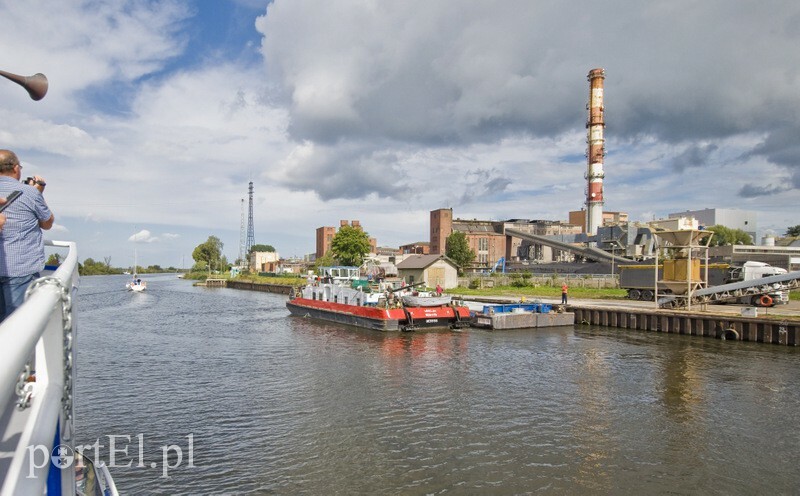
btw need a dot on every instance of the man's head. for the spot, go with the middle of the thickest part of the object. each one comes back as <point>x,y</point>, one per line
<point>9,164</point>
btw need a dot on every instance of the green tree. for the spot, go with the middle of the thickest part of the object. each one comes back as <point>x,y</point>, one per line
<point>349,245</point>
<point>92,268</point>
<point>458,250</point>
<point>727,236</point>
<point>208,255</point>
<point>326,260</point>
<point>793,231</point>
<point>53,259</point>
<point>262,248</point>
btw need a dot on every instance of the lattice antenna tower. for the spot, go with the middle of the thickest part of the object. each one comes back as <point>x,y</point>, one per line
<point>251,236</point>
<point>242,238</point>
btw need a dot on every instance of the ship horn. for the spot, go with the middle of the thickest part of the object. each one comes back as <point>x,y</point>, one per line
<point>36,85</point>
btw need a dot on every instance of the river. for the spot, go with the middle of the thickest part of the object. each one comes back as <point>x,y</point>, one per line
<point>219,391</point>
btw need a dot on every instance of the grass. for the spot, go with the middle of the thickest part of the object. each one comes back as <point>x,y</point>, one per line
<point>542,292</point>
<point>510,291</point>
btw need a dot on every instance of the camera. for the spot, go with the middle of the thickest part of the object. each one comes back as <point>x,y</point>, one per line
<point>33,182</point>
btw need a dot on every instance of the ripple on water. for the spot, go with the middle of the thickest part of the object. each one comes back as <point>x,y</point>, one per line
<point>292,406</point>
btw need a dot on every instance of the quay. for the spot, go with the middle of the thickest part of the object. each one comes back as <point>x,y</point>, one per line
<point>717,324</point>
<point>706,324</point>
<point>256,286</point>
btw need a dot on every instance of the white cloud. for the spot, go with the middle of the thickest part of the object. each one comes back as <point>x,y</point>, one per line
<point>143,236</point>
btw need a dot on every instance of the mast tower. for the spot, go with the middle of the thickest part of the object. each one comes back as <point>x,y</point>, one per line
<point>251,237</point>
<point>242,238</point>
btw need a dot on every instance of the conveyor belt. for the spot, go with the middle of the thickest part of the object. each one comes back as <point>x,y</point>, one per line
<point>735,290</point>
<point>586,251</point>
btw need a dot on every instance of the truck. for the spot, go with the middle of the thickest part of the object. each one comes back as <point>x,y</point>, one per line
<point>638,281</point>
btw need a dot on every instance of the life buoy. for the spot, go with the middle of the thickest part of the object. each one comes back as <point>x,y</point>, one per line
<point>766,301</point>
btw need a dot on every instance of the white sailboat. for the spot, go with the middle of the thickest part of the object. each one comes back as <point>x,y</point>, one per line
<point>136,284</point>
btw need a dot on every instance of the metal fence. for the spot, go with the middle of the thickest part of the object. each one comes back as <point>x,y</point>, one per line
<point>599,281</point>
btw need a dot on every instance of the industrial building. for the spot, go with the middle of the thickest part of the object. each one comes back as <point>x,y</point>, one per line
<point>731,218</point>
<point>325,236</point>
<point>418,248</point>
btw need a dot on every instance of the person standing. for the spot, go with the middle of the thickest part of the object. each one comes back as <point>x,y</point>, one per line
<point>21,240</point>
<point>564,290</point>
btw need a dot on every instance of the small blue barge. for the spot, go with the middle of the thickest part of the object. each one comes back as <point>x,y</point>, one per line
<point>520,316</point>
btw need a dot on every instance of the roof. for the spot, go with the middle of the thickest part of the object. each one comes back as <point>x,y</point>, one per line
<point>423,261</point>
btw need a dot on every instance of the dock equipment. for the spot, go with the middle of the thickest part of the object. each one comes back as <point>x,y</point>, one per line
<point>589,252</point>
<point>733,290</point>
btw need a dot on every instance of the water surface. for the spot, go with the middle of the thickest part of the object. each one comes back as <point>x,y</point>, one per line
<point>274,404</point>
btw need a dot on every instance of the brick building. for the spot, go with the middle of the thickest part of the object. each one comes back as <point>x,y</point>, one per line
<point>325,237</point>
<point>418,248</point>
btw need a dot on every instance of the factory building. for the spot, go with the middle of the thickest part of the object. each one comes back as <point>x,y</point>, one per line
<point>441,226</point>
<point>418,248</point>
<point>490,243</point>
<point>728,217</point>
<point>525,250</point>
<point>578,218</point>
<point>325,236</point>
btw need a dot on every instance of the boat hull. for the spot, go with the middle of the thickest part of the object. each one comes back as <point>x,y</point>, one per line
<point>380,319</point>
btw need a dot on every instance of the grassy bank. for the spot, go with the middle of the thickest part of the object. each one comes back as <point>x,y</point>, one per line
<point>509,291</point>
<point>541,292</point>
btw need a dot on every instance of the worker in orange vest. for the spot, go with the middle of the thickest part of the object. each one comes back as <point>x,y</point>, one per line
<point>564,294</point>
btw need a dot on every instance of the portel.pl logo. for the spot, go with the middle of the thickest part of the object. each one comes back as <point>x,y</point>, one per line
<point>63,456</point>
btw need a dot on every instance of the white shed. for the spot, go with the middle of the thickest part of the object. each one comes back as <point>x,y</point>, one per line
<point>431,269</point>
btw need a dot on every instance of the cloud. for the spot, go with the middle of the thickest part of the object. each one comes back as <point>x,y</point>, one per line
<point>384,111</point>
<point>753,191</point>
<point>170,236</point>
<point>439,74</point>
<point>143,236</point>
<point>696,155</point>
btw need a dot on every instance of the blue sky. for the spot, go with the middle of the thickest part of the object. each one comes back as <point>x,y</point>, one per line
<point>160,112</point>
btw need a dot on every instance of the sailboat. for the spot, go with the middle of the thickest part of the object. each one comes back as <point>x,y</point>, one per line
<point>136,284</point>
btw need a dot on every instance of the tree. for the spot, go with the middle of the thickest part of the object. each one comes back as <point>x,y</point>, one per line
<point>458,250</point>
<point>793,231</point>
<point>91,268</point>
<point>324,261</point>
<point>209,254</point>
<point>262,248</point>
<point>349,245</point>
<point>727,236</point>
<point>53,259</point>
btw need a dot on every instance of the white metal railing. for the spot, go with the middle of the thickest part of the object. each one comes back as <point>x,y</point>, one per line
<point>36,409</point>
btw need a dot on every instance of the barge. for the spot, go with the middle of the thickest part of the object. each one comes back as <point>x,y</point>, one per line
<point>520,316</point>
<point>340,295</point>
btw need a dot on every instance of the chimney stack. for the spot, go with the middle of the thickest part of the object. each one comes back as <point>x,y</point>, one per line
<point>596,152</point>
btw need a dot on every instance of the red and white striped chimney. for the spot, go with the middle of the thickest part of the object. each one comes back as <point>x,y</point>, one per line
<point>596,152</point>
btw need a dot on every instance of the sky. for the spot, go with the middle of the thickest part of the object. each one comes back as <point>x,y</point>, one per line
<point>160,112</point>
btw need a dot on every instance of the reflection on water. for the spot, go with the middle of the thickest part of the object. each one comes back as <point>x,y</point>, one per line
<point>277,404</point>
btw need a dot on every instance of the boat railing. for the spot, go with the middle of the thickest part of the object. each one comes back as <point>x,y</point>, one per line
<point>37,377</point>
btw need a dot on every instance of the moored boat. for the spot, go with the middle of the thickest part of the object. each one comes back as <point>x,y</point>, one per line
<point>339,295</point>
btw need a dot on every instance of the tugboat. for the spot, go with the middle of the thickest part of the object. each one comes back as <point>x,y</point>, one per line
<point>340,295</point>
